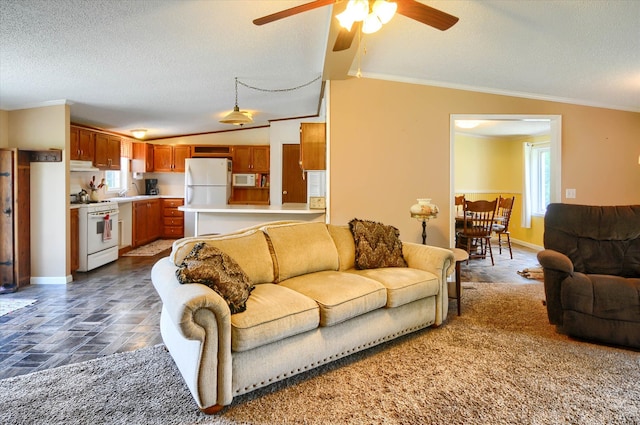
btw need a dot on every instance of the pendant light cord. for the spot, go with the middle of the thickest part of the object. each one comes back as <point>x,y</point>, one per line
<point>275,90</point>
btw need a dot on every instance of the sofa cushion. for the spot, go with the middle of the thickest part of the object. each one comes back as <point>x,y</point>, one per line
<point>339,295</point>
<point>273,313</point>
<point>302,248</point>
<point>403,285</point>
<point>602,296</point>
<point>258,266</point>
<point>377,245</point>
<point>343,239</point>
<point>212,267</point>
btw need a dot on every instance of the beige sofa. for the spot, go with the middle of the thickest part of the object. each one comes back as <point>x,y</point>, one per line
<point>310,306</point>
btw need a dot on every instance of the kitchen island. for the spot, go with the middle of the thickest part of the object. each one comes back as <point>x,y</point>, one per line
<point>206,219</point>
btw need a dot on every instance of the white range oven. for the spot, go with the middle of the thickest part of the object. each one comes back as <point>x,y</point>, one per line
<point>98,233</point>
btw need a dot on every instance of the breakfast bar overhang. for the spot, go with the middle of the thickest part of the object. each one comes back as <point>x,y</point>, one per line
<point>206,219</point>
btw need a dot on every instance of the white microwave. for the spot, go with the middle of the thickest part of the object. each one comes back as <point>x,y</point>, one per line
<point>244,180</point>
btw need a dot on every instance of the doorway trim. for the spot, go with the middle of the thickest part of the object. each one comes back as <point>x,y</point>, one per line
<point>555,136</point>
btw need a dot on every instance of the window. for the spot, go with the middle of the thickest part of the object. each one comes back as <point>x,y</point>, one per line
<point>540,177</point>
<point>117,180</point>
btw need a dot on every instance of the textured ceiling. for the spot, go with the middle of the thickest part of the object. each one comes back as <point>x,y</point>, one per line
<point>169,66</point>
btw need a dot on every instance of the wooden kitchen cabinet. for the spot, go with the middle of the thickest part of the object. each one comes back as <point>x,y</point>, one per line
<point>251,159</point>
<point>168,158</point>
<point>313,146</point>
<point>147,225</point>
<point>74,231</point>
<point>82,144</point>
<point>142,157</point>
<point>173,219</point>
<point>107,152</point>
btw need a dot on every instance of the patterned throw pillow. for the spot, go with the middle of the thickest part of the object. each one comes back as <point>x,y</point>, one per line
<point>377,245</point>
<point>212,267</point>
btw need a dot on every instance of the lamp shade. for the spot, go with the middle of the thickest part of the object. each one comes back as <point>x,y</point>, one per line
<point>424,209</point>
<point>237,117</point>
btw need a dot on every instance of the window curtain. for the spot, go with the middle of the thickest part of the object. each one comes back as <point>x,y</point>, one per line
<point>526,201</point>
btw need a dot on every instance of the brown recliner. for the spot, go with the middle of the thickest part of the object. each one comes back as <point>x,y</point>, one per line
<point>591,267</point>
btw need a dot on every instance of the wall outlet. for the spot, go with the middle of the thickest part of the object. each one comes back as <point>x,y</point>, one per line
<point>571,194</point>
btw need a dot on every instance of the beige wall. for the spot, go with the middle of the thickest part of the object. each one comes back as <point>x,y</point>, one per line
<point>41,129</point>
<point>390,144</point>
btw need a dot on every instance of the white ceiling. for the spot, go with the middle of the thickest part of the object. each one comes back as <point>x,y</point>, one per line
<point>169,66</point>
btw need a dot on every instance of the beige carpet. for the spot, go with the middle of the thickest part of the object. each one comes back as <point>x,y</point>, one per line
<point>499,363</point>
<point>150,249</point>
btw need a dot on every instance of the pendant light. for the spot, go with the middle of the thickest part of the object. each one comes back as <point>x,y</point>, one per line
<point>237,117</point>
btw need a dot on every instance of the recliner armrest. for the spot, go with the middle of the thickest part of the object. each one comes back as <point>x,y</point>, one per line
<point>554,260</point>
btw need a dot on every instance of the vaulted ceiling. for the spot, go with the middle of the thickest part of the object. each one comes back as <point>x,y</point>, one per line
<point>169,66</point>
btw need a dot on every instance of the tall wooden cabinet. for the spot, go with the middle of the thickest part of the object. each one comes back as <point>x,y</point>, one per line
<point>313,146</point>
<point>15,233</point>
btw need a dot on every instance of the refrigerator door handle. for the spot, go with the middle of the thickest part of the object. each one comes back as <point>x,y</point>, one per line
<point>188,194</point>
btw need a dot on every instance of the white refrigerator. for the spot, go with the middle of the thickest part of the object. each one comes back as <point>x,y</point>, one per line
<point>207,182</point>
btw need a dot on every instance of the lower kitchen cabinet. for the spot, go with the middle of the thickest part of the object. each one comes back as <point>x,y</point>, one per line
<point>173,219</point>
<point>147,224</point>
<point>74,232</point>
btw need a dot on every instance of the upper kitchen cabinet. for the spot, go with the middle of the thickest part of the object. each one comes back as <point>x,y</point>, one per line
<point>313,146</point>
<point>251,159</point>
<point>107,153</point>
<point>82,144</point>
<point>142,157</point>
<point>168,158</point>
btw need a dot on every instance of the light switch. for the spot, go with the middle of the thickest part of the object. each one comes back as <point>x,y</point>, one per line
<point>571,194</point>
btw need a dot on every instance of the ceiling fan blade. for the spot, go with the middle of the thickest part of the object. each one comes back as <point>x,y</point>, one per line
<point>292,11</point>
<point>345,38</point>
<point>426,14</point>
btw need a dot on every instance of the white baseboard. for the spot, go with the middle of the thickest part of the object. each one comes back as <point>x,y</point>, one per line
<point>52,280</point>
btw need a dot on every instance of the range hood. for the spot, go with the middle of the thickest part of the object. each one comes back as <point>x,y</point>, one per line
<point>75,165</point>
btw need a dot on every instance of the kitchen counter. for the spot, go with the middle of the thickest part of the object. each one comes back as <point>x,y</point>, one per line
<point>253,209</point>
<point>208,219</point>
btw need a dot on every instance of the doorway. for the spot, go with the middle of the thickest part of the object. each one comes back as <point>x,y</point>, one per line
<point>294,187</point>
<point>516,124</point>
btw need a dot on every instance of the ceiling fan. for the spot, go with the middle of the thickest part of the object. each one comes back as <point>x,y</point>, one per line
<point>409,8</point>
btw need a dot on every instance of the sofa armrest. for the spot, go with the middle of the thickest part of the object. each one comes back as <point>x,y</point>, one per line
<point>438,261</point>
<point>554,260</point>
<point>557,267</point>
<point>195,312</point>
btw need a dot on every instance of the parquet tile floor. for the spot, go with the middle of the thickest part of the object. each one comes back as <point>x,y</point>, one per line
<point>115,309</point>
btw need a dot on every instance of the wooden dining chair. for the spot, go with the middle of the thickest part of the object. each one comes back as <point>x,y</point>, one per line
<point>475,235</point>
<point>459,204</point>
<point>505,206</point>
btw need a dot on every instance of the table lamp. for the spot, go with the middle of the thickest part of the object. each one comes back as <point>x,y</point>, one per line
<point>423,211</point>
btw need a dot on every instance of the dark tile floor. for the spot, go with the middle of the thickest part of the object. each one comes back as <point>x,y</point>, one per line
<point>115,309</point>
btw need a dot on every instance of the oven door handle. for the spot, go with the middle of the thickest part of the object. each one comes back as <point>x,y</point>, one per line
<point>103,214</point>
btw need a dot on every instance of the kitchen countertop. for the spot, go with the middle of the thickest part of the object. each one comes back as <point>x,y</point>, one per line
<point>253,209</point>
<point>122,199</point>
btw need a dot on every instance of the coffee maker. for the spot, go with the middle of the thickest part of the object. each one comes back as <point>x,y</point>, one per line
<point>151,187</point>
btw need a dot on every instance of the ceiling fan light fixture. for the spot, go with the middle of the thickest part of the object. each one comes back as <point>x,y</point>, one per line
<point>385,10</point>
<point>371,24</point>
<point>356,11</point>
